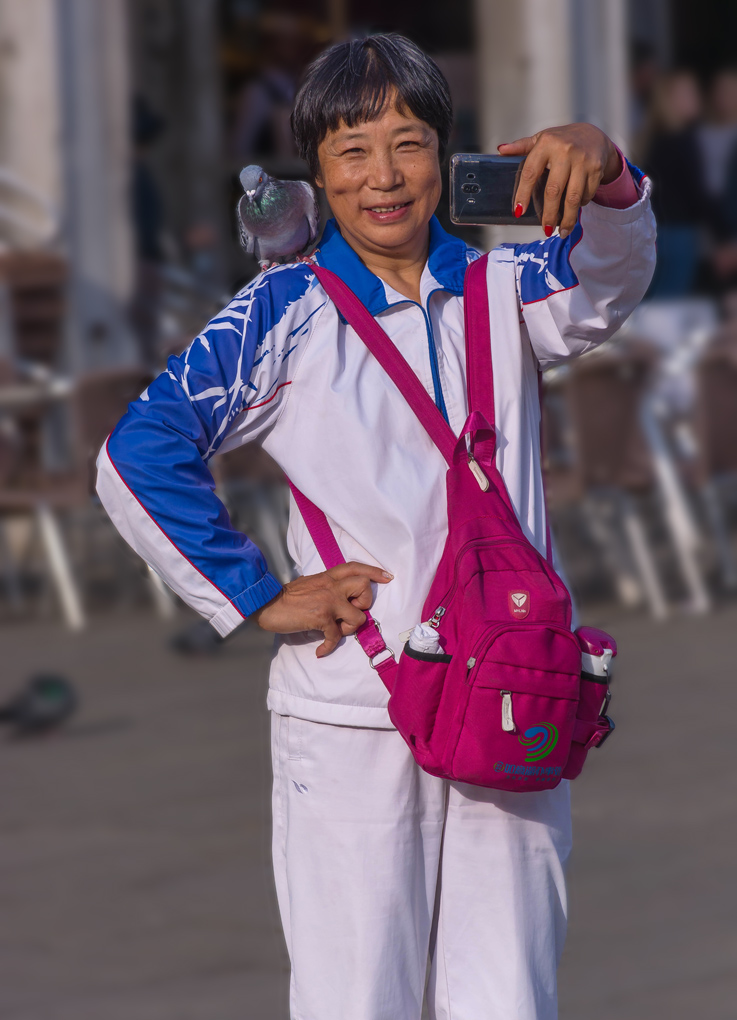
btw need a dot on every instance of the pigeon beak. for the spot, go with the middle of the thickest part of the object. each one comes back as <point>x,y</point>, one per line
<point>250,194</point>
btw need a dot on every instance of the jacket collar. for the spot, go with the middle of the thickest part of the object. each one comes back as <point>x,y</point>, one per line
<point>446,264</point>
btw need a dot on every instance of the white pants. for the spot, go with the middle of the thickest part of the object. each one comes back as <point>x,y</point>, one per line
<point>381,867</point>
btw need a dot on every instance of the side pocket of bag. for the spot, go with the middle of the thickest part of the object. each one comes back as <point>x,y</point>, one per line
<point>416,695</point>
<point>592,725</point>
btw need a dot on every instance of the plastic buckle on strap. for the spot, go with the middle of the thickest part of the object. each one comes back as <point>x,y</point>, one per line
<point>377,665</point>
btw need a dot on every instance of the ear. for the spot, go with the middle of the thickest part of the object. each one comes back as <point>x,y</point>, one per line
<point>318,181</point>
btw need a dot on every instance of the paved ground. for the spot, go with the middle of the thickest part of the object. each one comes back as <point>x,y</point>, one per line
<point>134,847</point>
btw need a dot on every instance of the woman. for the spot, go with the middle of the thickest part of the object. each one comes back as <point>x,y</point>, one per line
<point>380,866</point>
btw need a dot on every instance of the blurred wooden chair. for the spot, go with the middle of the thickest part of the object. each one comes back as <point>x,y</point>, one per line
<point>36,287</point>
<point>619,455</point>
<point>715,426</point>
<point>31,488</point>
<point>605,464</point>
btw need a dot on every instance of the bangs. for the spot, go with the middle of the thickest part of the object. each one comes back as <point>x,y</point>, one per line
<point>351,83</point>
<point>360,93</point>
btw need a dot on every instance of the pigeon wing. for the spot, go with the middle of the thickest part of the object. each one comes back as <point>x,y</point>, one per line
<point>246,238</point>
<point>312,211</point>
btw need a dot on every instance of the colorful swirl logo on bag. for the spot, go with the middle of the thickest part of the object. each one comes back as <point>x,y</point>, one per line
<point>540,741</point>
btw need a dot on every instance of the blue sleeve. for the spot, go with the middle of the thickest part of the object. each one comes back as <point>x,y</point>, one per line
<point>153,476</point>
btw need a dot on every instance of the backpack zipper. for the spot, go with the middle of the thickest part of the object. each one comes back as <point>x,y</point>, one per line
<point>478,473</point>
<point>434,620</point>
<point>507,717</point>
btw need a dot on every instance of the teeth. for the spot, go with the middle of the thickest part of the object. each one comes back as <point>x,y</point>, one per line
<point>386,208</point>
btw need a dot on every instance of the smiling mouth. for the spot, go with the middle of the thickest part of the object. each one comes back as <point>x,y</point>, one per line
<point>387,208</point>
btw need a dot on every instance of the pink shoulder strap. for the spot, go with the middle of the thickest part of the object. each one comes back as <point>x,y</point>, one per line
<point>479,370</point>
<point>382,348</point>
<point>480,397</point>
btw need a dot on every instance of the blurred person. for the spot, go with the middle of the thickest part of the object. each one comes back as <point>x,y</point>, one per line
<point>717,139</point>
<point>368,848</point>
<point>264,105</point>
<point>644,74</point>
<point>672,159</point>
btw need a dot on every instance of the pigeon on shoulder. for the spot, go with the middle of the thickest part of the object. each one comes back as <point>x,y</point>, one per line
<point>277,220</point>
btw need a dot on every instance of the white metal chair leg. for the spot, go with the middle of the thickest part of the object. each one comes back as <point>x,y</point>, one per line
<point>684,533</point>
<point>163,598</point>
<point>637,538</point>
<point>613,549</point>
<point>61,570</point>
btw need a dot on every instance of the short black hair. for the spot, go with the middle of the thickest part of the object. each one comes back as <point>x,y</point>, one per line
<point>350,83</point>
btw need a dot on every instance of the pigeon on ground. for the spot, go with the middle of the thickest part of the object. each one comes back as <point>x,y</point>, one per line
<point>277,220</point>
<point>44,703</point>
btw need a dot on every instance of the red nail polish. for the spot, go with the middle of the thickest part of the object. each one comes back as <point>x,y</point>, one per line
<point>518,210</point>
<point>549,230</point>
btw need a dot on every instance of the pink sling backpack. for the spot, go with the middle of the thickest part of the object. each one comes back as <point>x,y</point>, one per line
<point>505,706</point>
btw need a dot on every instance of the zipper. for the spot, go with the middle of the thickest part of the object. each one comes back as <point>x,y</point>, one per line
<point>468,545</point>
<point>487,638</point>
<point>434,365</point>
<point>442,608</point>
<point>436,617</point>
<point>507,717</point>
<point>478,473</point>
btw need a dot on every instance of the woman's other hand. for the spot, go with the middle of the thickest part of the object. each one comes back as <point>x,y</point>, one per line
<point>332,602</point>
<point>579,157</point>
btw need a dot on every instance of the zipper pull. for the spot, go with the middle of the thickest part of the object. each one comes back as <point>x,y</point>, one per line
<point>470,664</point>
<point>507,717</point>
<point>478,473</point>
<point>436,617</point>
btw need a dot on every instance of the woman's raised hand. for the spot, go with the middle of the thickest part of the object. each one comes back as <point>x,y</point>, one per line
<point>332,602</point>
<point>579,157</point>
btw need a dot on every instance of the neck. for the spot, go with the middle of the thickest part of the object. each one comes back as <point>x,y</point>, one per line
<point>402,270</point>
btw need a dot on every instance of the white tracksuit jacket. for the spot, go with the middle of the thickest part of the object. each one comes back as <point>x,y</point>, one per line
<point>278,366</point>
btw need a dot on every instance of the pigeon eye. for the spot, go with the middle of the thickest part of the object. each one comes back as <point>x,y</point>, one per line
<point>260,180</point>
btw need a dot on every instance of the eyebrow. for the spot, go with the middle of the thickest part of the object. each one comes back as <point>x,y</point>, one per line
<point>353,134</point>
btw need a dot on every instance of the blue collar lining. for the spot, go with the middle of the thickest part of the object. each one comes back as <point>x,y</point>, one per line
<point>447,262</point>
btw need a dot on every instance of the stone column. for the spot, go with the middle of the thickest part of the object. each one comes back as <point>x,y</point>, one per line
<point>524,55</point>
<point>29,120</point>
<point>547,62</point>
<point>95,115</point>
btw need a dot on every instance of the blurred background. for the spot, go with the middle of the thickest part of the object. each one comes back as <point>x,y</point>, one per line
<point>134,821</point>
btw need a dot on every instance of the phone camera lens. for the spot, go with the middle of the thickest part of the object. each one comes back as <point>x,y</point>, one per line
<point>470,189</point>
<point>471,177</point>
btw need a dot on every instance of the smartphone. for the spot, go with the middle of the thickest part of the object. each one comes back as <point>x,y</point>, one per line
<point>482,189</point>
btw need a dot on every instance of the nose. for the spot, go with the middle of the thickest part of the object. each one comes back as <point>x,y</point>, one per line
<point>384,174</point>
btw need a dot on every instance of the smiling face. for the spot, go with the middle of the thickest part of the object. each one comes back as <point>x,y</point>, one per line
<point>382,180</point>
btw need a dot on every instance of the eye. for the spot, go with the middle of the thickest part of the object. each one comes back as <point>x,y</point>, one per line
<point>260,180</point>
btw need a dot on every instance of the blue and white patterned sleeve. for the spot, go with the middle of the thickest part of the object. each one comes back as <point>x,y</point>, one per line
<point>577,291</point>
<point>153,474</point>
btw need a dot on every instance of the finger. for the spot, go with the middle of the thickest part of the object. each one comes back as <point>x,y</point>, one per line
<point>576,191</point>
<point>357,590</point>
<point>519,147</point>
<point>332,634</point>
<point>530,173</point>
<point>367,570</point>
<point>363,599</point>
<point>557,181</point>
<point>350,615</point>
<point>346,629</point>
